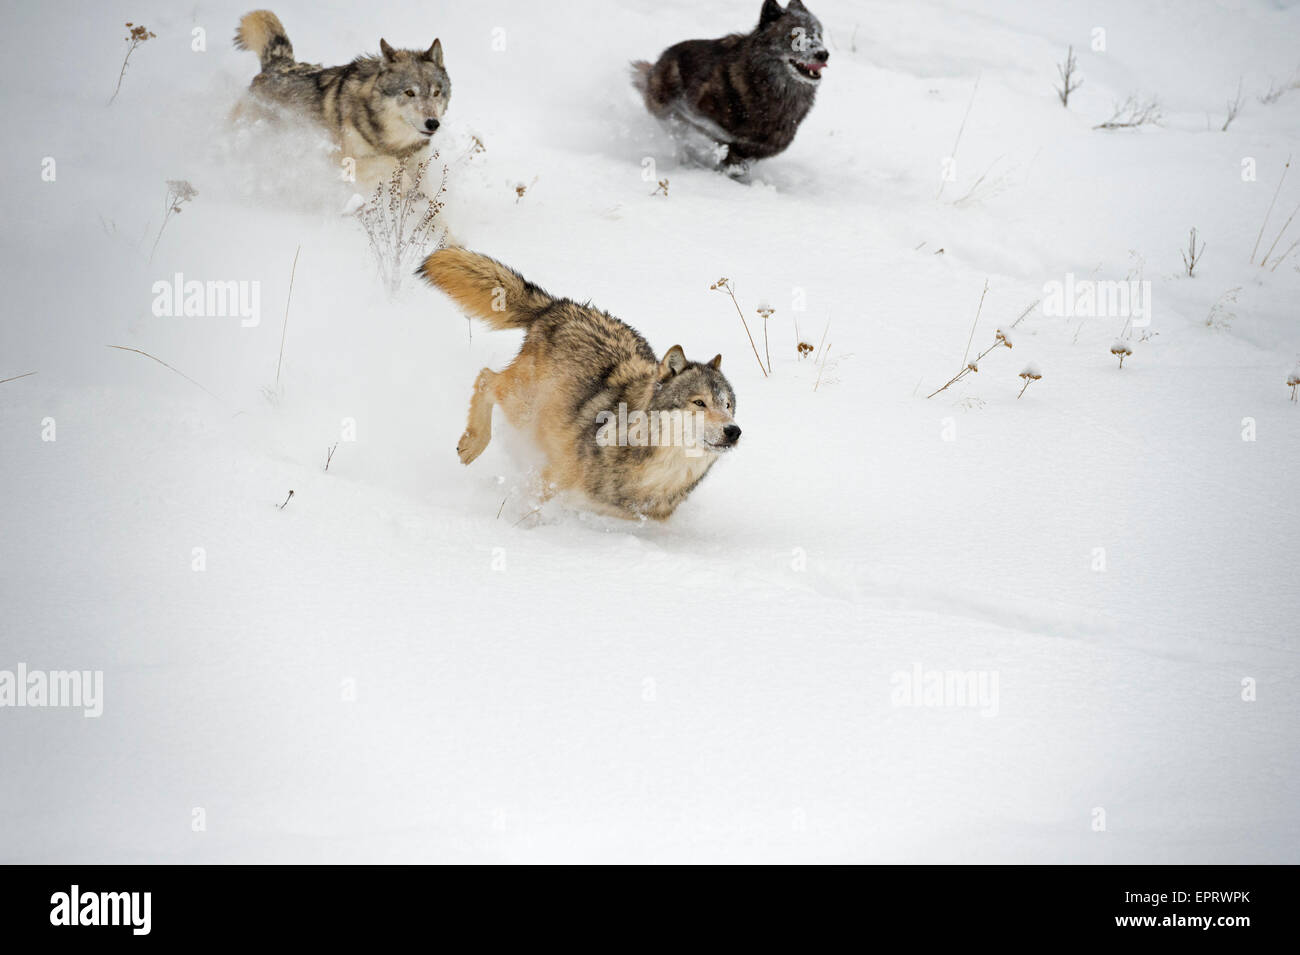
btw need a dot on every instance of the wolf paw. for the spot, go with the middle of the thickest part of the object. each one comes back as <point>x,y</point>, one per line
<point>471,446</point>
<point>738,171</point>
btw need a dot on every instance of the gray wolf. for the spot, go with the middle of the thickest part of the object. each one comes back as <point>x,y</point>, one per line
<point>386,106</point>
<point>740,98</point>
<point>578,369</point>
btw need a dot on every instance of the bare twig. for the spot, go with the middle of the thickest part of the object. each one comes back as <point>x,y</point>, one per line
<point>1276,91</point>
<point>287,500</point>
<point>1193,255</point>
<point>1132,113</point>
<point>1234,107</point>
<point>1028,308</point>
<point>329,456</point>
<point>401,223</point>
<point>1067,73</point>
<point>16,377</point>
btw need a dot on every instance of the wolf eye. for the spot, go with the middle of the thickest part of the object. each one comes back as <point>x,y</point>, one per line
<point>437,91</point>
<point>700,403</point>
<point>410,92</point>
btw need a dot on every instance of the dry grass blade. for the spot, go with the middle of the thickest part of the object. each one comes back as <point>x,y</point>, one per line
<point>725,286</point>
<point>284,330</point>
<point>167,366</point>
<point>1285,169</point>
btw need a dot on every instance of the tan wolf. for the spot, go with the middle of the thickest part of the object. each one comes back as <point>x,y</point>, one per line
<point>377,107</point>
<point>632,432</point>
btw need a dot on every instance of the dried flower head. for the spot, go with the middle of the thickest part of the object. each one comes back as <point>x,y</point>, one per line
<point>181,192</point>
<point>1121,349</point>
<point>138,33</point>
<point>1029,373</point>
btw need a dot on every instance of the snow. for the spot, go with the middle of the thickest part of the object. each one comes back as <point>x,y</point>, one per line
<point>406,663</point>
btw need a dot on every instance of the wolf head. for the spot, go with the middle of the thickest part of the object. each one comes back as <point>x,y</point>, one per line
<point>415,88</point>
<point>702,392</point>
<point>791,40</point>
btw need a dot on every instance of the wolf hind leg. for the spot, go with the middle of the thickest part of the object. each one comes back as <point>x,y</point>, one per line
<point>696,144</point>
<point>478,430</point>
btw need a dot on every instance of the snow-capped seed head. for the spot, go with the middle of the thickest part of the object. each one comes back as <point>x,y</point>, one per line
<point>1120,347</point>
<point>1031,372</point>
<point>1003,336</point>
<point>182,189</point>
<point>1293,379</point>
<point>764,307</point>
<point>973,365</point>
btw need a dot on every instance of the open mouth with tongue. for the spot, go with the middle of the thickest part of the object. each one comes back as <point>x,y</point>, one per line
<point>808,71</point>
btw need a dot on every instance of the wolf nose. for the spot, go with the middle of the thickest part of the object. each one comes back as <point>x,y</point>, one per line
<point>431,124</point>
<point>732,433</point>
<point>821,56</point>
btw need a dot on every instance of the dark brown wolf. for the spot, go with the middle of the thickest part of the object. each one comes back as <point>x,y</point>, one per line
<point>632,432</point>
<point>742,97</point>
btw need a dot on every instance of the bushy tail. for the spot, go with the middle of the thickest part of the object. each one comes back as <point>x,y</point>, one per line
<point>262,32</point>
<point>641,75</point>
<point>485,288</point>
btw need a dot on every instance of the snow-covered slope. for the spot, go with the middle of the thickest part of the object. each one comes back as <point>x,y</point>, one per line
<point>410,662</point>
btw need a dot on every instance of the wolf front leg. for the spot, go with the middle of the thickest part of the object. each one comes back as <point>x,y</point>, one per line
<point>478,431</point>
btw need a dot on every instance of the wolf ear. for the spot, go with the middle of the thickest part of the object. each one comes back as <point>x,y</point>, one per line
<point>797,6</point>
<point>389,53</point>
<point>771,11</point>
<point>434,53</point>
<point>674,362</point>
<point>716,363</point>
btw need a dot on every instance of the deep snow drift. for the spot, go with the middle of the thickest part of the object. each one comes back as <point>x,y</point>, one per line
<point>407,663</point>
